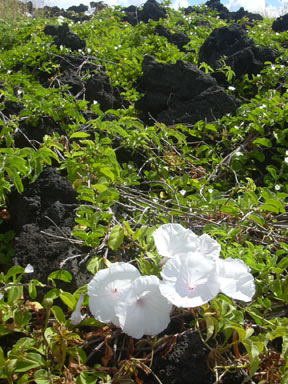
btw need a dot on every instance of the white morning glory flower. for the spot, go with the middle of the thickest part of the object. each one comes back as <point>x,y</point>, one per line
<point>142,310</point>
<point>209,247</point>
<point>29,269</point>
<point>173,239</point>
<point>235,279</point>
<point>106,286</point>
<point>77,316</point>
<point>189,280</point>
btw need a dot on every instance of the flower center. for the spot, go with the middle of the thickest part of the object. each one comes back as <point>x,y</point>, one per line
<point>191,287</point>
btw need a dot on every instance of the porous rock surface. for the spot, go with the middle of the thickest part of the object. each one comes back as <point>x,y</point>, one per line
<point>238,50</point>
<point>42,217</point>
<point>188,362</point>
<point>181,93</point>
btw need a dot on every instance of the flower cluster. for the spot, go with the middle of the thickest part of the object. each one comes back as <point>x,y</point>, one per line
<point>192,275</point>
<point>133,302</point>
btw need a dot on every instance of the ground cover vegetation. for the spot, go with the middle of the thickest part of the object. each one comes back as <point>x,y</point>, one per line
<point>89,173</point>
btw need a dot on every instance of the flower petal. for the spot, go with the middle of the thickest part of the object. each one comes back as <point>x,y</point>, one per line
<point>77,316</point>
<point>29,268</point>
<point>172,239</point>
<point>106,286</point>
<point>189,280</point>
<point>142,310</point>
<point>209,247</point>
<point>235,279</point>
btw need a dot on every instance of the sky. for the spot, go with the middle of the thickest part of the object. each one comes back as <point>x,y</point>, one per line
<point>272,7</point>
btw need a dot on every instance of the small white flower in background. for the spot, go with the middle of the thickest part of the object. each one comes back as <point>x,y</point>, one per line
<point>60,19</point>
<point>231,88</point>
<point>88,50</point>
<point>29,269</point>
<point>277,187</point>
<point>77,316</point>
<point>106,286</point>
<point>189,280</point>
<point>286,160</point>
<point>142,310</point>
<point>173,239</point>
<point>182,192</point>
<point>1,296</point>
<point>235,279</point>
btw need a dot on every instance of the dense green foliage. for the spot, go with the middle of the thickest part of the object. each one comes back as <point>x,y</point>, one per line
<point>227,178</point>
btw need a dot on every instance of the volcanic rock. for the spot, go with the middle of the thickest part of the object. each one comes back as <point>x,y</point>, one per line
<point>97,88</point>
<point>78,8</point>
<point>63,36</point>
<point>181,93</point>
<point>42,217</point>
<point>224,12</point>
<point>280,24</point>
<point>238,50</point>
<point>151,10</point>
<point>178,39</point>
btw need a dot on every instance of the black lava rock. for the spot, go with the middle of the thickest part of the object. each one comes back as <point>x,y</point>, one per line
<point>181,93</point>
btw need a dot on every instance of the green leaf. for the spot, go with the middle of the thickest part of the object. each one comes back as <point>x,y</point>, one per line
<point>13,272</point>
<point>272,205</point>
<point>116,237</point>
<point>263,142</point>
<point>108,195</point>
<point>2,357</point>
<point>256,218</point>
<point>58,313</point>
<point>60,275</point>
<point>32,289</point>
<point>32,360</point>
<point>15,178</point>
<point>14,294</point>
<point>108,173</point>
<point>79,135</point>
<point>68,299</point>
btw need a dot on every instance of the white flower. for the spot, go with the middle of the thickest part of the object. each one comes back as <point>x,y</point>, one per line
<point>189,280</point>
<point>277,187</point>
<point>235,279</point>
<point>106,286</point>
<point>286,159</point>
<point>209,247</point>
<point>29,269</point>
<point>231,88</point>
<point>77,316</point>
<point>141,309</point>
<point>1,296</point>
<point>173,239</point>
